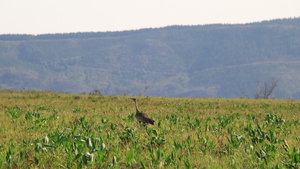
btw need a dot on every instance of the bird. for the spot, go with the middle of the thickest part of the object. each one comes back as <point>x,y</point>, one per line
<point>141,117</point>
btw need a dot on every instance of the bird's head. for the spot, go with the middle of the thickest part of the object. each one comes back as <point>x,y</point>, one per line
<point>134,99</point>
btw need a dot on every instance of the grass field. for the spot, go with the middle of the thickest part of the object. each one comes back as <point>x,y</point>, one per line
<point>55,130</point>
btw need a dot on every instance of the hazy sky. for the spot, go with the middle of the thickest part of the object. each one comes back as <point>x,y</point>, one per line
<point>62,16</point>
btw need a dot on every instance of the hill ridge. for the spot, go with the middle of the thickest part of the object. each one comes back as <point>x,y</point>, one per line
<point>219,60</point>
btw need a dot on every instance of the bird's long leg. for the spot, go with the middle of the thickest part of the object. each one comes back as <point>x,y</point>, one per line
<point>142,124</point>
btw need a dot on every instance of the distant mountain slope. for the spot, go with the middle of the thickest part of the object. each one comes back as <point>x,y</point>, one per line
<point>177,61</point>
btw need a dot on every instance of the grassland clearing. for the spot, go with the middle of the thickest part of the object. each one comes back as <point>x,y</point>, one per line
<point>51,130</point>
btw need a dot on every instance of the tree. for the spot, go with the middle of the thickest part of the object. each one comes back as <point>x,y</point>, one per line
<point>146,88</point>
<point>265,89</point>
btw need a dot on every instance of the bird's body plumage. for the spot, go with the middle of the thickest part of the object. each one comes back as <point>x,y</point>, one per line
<point>142,117</point>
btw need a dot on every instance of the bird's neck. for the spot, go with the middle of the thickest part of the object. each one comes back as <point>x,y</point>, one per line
<point>136,107</point>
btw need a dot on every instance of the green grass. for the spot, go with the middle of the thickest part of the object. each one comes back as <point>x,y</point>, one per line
<point>54,130</point>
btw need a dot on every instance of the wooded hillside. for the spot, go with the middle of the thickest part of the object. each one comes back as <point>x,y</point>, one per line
<point>176,61</point>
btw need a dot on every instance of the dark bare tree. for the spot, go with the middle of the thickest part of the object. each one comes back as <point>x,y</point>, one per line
<point>146,88</point>
<point>142,117</point>
<point>265,89</point>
